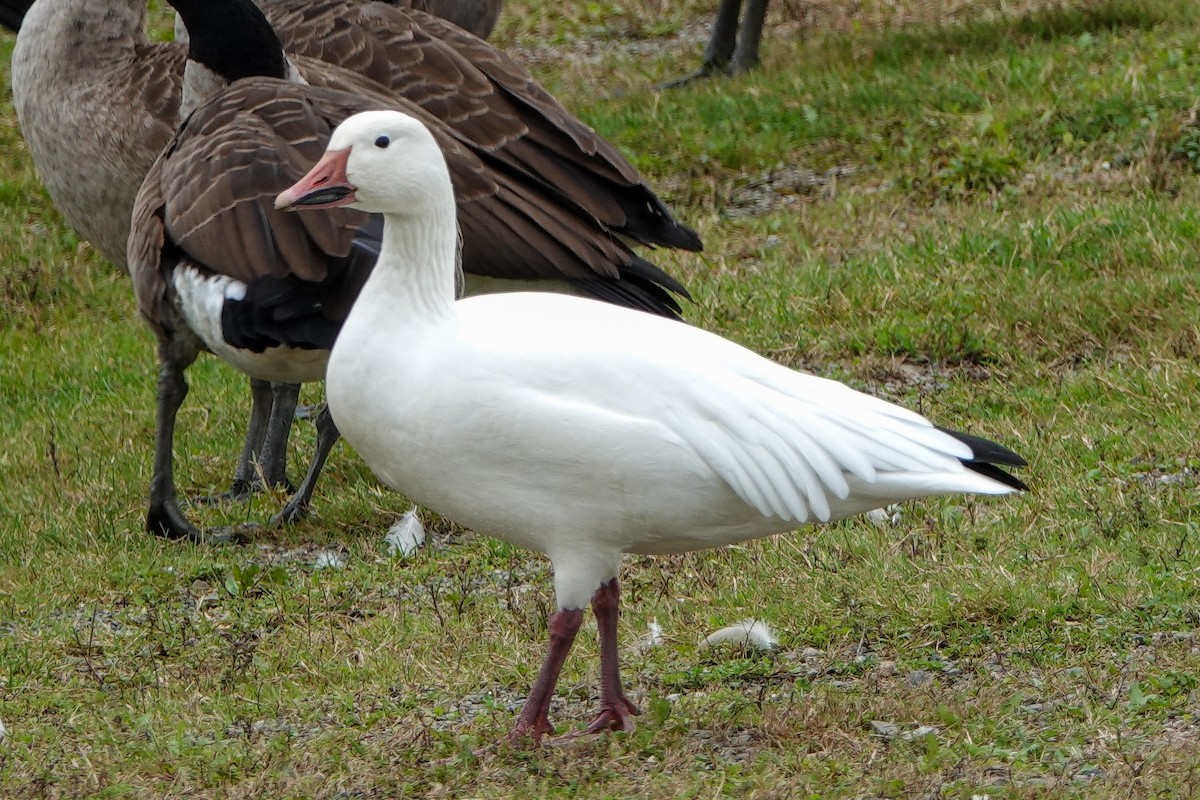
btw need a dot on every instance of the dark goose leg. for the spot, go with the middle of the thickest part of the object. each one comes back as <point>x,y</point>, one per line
<point>745,56</point>
<point>729,50</point>
<point>164,517</point>
<point>327,436</point>
<point>273,459</point>
<point>720,44</point>
<point>245,477</point>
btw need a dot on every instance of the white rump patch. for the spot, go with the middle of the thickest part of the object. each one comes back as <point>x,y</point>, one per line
<point>201,300</point>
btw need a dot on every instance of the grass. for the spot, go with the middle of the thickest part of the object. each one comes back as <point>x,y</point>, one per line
<point>983,210</point>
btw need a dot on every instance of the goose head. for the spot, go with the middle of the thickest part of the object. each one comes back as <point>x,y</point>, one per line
<point>377,161</point>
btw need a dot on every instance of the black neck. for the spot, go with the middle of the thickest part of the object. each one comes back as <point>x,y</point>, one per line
<point>232,38</point>
<point>12,12</point>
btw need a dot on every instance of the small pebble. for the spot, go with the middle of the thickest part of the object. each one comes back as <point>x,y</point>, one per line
<point>919,733</point>
<point>329,559</point>
<point>919,677</point>
<point>884,517</point>
<point>887,730</point>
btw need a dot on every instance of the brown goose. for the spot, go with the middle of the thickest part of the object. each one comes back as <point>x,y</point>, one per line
<point>216,267</point>
<point>97,101</point>
<point>78,63</point>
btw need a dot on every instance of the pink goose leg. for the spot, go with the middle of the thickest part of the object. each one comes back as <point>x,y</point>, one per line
<point>534,720</point>
<point>616,711</point>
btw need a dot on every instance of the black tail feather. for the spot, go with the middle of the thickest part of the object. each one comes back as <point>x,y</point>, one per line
<point>642,286</point>
<point>986,454</point>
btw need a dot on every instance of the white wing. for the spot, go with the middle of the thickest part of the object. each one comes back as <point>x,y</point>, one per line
<point>786,442</point>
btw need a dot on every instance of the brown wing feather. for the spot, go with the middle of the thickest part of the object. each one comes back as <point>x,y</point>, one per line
<point>488,99</point>
<point>145,250</point>
<point>210,196</point>
<point>220,180</point>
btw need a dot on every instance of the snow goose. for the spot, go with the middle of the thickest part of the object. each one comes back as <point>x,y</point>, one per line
<point>216,267</point>
<point>583,430</point>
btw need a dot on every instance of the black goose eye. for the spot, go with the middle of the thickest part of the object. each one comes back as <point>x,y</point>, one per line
<point>382,142</point>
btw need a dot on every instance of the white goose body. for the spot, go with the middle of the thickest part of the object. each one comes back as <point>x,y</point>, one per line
<point>584,430</point>
<point>562,424</point>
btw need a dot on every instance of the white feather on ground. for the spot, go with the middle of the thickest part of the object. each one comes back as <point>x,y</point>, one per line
<point>406,536</point>
<point>881,517</point>
<point>747,633</point>
<point>653,636</point>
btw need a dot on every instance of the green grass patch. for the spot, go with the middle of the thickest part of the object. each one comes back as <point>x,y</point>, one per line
<point>984,211</point>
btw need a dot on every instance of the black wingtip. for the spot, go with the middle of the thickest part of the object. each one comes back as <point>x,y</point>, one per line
<point>656,227</point>
<point>643,270</point>
<point>997,474</point>
<point>986,455</point>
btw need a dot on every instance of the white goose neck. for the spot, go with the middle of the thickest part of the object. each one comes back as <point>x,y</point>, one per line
<point>418,264</point>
